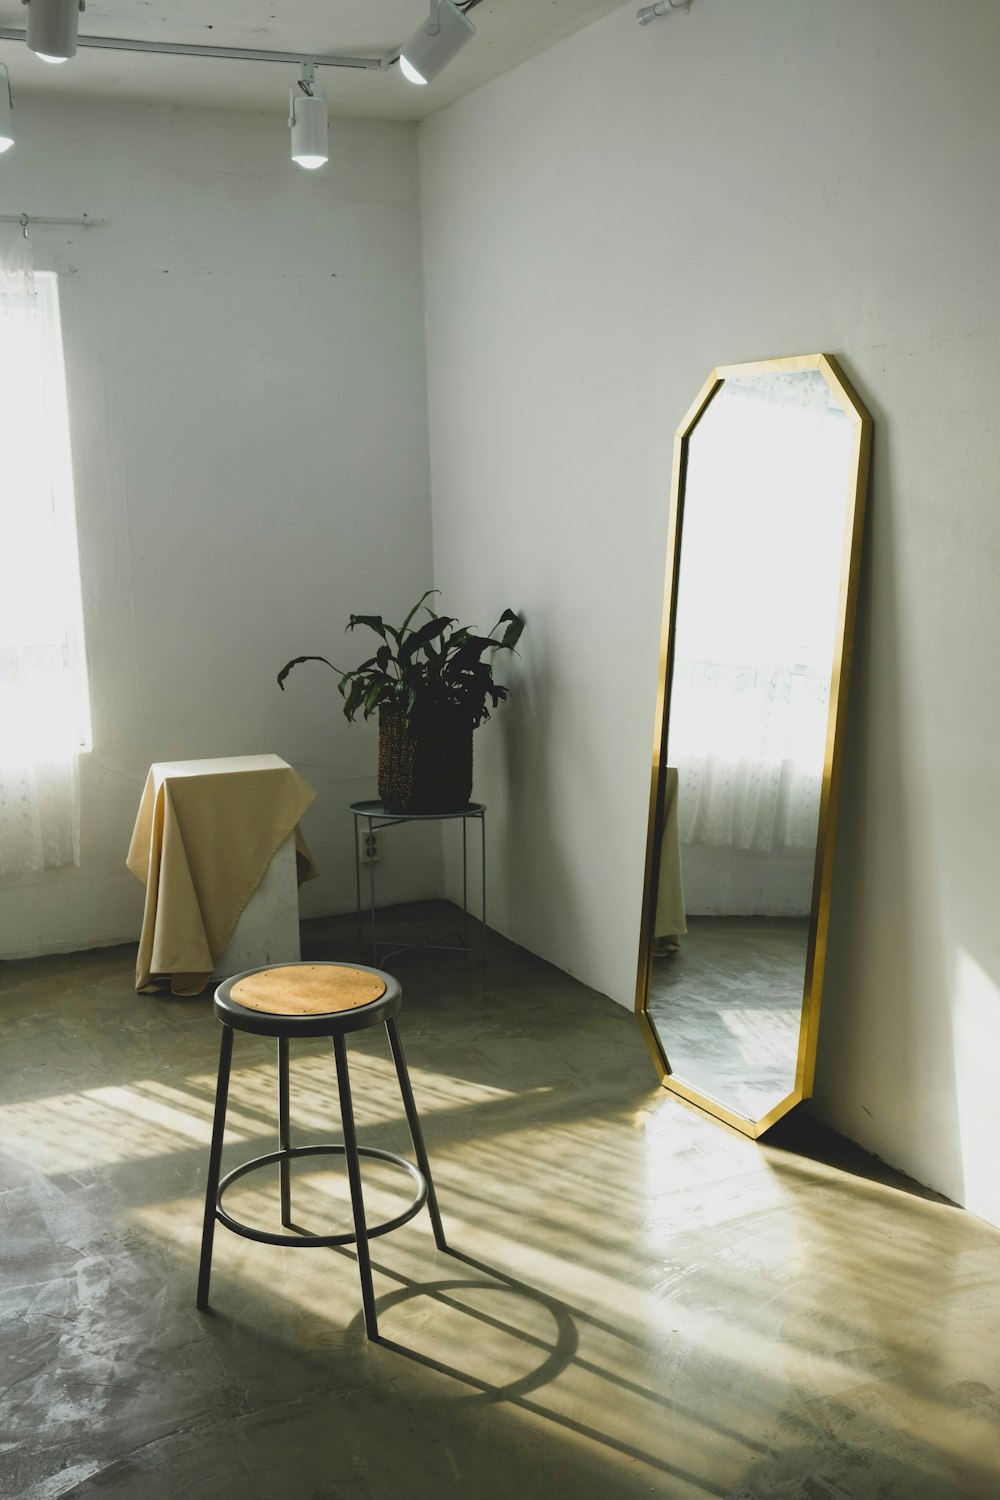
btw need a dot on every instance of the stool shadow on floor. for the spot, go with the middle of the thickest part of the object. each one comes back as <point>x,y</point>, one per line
<point>560,1354</point>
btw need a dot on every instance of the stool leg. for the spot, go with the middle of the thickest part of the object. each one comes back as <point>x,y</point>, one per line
<point>416,1134</point>
<point>354,1178</point>
<point>284,1133</point>
<point>214,1166</point>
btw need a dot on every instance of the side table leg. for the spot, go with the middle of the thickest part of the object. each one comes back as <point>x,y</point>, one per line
<point>357,881</point>
<point>482,841</point>
<point>465,889</point>
<point>371,892</point>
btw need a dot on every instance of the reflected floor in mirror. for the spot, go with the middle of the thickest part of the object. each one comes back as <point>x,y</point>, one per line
<point>726,1006</point>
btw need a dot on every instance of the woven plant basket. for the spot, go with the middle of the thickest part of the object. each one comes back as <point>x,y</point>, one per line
<point>424,764</point>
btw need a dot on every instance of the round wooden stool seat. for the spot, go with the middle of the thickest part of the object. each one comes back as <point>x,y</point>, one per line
<point>303,999</point>
<point>308,989</point>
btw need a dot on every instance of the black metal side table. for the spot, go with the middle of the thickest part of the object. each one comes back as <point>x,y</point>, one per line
<point>375,816</point>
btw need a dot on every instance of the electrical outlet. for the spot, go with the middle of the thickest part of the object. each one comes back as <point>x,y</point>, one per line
<point>369,846</point>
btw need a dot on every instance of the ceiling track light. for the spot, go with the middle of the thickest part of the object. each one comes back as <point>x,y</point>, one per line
<point>647,13</point>
<point>308,120</point>
<point>430,48</point>
<point>52,28</point>
<point>446,30</point>
<point>6,110</point>
<point>200,49</point>
<point>52,33</point>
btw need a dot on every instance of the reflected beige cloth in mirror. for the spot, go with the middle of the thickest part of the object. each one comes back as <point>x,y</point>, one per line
<point>671,918</point>
<point>204,836</point>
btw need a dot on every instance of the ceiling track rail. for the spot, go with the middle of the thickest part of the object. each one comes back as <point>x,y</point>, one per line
<point>26,220</point>
<point>242,54</point>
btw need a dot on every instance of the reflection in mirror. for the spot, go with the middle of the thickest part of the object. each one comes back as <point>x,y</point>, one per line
<point>768,488</point>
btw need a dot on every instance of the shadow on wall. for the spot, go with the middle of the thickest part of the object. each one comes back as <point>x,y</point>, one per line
<point>886,1063</point>
<point>544,906</point>
<point>967,846</point>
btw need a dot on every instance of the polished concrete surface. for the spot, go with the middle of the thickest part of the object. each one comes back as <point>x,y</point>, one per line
<point>643,1303</point>
<point>727,1006</point>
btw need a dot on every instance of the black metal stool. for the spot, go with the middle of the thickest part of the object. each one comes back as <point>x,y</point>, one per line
<point>322,999</point>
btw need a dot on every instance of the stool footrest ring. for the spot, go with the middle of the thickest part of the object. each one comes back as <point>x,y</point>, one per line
<point>265,1237</point>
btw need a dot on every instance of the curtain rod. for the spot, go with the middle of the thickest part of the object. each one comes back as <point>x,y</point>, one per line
<point>25,219</point>
<point>196,49</point>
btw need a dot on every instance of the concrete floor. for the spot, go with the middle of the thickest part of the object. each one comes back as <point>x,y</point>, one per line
<point>644,1302</point>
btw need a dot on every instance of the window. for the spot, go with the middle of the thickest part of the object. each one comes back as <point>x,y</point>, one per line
<point>44,715</point>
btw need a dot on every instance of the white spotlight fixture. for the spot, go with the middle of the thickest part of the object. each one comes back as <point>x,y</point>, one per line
<point>445,31</point>
<point>52,28</point>
<point>647,13</point>
<point>6,110</point>
<point>307,117</point>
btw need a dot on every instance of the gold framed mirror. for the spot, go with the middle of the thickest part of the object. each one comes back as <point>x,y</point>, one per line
<point>770,473</point>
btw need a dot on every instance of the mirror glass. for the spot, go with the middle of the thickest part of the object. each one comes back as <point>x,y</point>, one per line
<point>767,481</point>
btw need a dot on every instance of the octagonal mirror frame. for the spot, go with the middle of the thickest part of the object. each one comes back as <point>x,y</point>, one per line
<point>818,927</point>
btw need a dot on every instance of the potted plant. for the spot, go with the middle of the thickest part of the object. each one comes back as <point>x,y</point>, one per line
<point>431,687</point>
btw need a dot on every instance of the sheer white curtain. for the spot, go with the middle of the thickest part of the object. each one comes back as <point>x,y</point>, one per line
<point>43,707</point>
<point>761,556</point>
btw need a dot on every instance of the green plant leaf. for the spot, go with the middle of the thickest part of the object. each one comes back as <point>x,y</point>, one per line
<point>469,654</point>
<point>457,638</point>
<point>290,664</point>
<point>413,611</point>
<point>429,632</point>
<point>374,622</point>
<point>353,699</point>
<point>512,634</point>
<point>366,666</point>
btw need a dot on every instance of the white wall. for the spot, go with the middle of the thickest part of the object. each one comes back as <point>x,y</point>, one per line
<point>602,226</point>
<point>245,364</point>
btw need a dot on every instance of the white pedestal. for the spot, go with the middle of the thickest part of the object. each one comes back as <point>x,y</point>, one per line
<point>268,929</point>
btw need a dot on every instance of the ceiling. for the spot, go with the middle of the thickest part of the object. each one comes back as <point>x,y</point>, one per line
<point>508,32</point>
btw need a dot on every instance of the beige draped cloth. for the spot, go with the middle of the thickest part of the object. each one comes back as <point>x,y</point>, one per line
<point>204,836</point>
<point>671,918</point>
